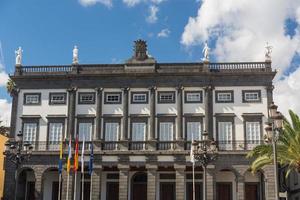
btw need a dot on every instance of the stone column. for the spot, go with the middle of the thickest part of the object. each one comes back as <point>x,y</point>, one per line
<point>98,113</point>
<point>14,111</point>
<point>208,100</point>
<point>38,183</point>
<point>9,190</point>
<point>151,181</point>
<point>124,131</point>
<point>179,134</point>
<point>65,187</point>
<point>269,94</point>
<point>96,184</point>
<point>123,181</point>
<point>71,112</point>
<point>270,182</point>
<point>210,183</point>
<point>152,130</point>
<point>180,181</point>
<point>240,187</point>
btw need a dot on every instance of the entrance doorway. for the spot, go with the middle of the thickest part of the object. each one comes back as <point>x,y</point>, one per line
<point>139,186</point>
<point>167,191</point>
<point>112,191</point>
<point>251,191</point>
<point>224,191</point>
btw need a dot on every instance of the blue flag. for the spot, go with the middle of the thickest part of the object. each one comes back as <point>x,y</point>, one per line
<point>91,160</point>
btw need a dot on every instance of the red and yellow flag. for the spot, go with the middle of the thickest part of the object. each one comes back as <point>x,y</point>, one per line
<point>69,155</point>
<point>76,155</point>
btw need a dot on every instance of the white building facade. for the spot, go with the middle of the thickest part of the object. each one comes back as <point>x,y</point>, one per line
<point>140,117</point>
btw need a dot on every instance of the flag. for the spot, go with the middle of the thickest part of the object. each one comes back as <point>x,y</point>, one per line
<point>82,155</point>
<point>91,160</point>
<point>192,152</point>
<point>60,157</point>
<point>69,155</point>
<point>76,155</point>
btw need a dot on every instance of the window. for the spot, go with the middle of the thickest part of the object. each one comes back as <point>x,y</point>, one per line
<point>193,131</point>
<point>86,98</point>
<point>55,134</point>
<point>166,97</point>
<point>138,131</point>
<point>32,98</point>
<point>30,132</point>
<point>85,130</point>
<point>139,97</point>
<point>225,135</point>
<point>166,131</point>
<point>224,96</point>
<point>112,131</point>
<point>251,96</point>
<point>253,131</point>
<point>193,97</point>
<point>113,97</point>
<point>57,98</point>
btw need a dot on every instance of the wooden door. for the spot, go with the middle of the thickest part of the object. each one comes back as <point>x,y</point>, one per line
<point>198,191</point>
<point>224,191</point>
<point>55,188</point>
<point>112,191</point>
<point>139,191</point>
<point>251,191</point>
<point>167,191</point>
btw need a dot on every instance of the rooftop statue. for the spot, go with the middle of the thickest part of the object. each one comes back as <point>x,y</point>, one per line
<point>268,52</point>
<point>18,53</point>
<point>205,52</point>
<point>75,55</point>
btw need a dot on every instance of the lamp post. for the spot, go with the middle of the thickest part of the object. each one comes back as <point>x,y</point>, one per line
<point>274,126</point>
<point>205,151</point>
<point>17,152</point>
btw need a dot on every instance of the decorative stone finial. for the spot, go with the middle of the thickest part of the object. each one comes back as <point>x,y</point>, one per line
<point>205,52</point>
<point>18,53</point>
<point>268,52</point>
<point>75,55</point>
<point>140,50</point>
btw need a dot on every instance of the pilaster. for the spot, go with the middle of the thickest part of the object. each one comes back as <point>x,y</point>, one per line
<point>240,187</point>
<point>71,112</point>
<point>123,181</point>
<point>152,123</point>
<point>98,113</point>
<point>180,176</point>
<point>270,182</point>
<point>208,100</point>
<point>211,184</point>
<point>269,94</point>
<point>38,183</point>
<point>14,111</point>
<point>179,133</point>
<point>65,187</point>
<point>151,181</point>
<point>96,184</point>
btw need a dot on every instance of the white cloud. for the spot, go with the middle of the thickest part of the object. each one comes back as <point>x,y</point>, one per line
<point>157,1</point>
<point>131,3</point>
<point>164,33</point>
<point>287,93</point>
<point>3,75</point>
<point>242,28</point>
<point>107,3</point>
<point>5,109</point>
<point>152,18</point>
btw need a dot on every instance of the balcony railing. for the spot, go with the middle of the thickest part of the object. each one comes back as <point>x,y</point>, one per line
<point>246,66</point>
<point>237,145</point>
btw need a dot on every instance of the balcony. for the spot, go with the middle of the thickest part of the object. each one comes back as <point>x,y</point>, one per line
<point>237,145</point>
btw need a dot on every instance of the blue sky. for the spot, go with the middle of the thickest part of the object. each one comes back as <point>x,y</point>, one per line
<point>104,31</point>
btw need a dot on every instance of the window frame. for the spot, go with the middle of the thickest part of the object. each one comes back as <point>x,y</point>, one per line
<point>191,92</point>
<point>164,120</point>
<point>252,118</point>
<point>135,93</point>
<point>27,94</point>
<point>112,93</point>
<point>58,93</point>
<point>228,117</point>
<point>86,93</point>
<point>85,120</point>
<point>193,119</point>
<point>224,91</point>
<point>112,120</point>
<point>139,120</point>
<point>259,100</point>
<point>159,101</point>
<point>33,121</point>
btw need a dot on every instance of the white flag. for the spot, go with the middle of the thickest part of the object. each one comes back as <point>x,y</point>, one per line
<point>82,155</point>
<point>192,153</point>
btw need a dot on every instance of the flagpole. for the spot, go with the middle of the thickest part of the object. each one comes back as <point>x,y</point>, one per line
<point>75,185</point>
<point>91,186</point>
<point>82,187</point>
<point>68,181</point>
<point>194,181</point>
<point>59,187</point>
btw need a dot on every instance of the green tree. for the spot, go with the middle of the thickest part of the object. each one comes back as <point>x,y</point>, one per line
<point>288,148</point>
<point>2,128</point>
<point>10,86</point>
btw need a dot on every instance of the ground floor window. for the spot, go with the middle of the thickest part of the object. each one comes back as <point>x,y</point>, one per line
<point>167,186</point>
<point>112,186</point>
<point>189,186</point>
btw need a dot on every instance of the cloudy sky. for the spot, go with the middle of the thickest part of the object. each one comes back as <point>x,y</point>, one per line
<point>236,30</point>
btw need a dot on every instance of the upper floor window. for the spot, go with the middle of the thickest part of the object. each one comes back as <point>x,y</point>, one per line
<point>113,97</point>
<point>253,131</point>
<point>139,97</point>
<point>225,96</point>
<point>32,98</point>
<point>86,98</point>
<point>251,96</point>
<point>166,97</point>
<point>57,98</point>
<point>30,129</point>
<point>193,97</point>
<point>193,130</point>
<point>85,130</point>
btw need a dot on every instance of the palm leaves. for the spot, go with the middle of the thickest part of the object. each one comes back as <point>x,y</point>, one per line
<point>2,128</point>
<point>288,147</point>
<point>10,86</point>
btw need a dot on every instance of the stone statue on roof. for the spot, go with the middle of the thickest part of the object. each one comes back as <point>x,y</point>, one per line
<point>18,53</point>
<point>205,52</point>
<point>268,52</point>
<point>75,55</point>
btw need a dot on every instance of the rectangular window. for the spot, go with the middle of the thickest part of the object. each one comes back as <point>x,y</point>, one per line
<point>57,98</point>
<point>113,97</point>
<point>225,135</point>
<point>193,131</point>
<point>30,132</point>
<point>55,135</point>
<point>253,131</point>
<point>166,131</point>
<point>251,96</point>
<point>193,97</point>
<point>138,131</point>
<point>112,131</point>
<point>139,97</point>
<point>32,98</point>
<point>86,98</point>
<point>225,96</point>
<point>85,130</point>
<point>166,97</point>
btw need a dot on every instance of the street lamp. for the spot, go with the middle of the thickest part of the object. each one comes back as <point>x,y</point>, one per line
<point>205,151</point>
<point>274,127</point>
